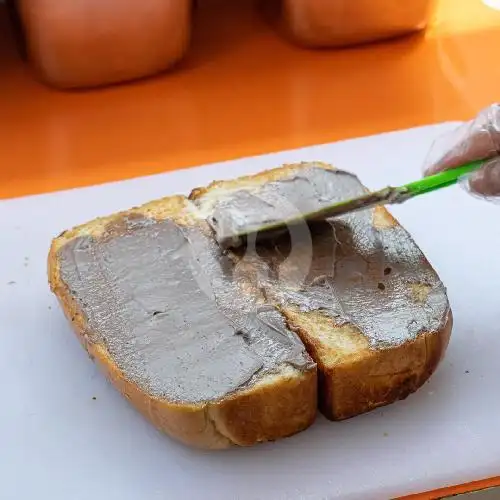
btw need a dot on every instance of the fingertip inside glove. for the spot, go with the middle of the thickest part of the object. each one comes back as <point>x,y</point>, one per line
<point>485,182</point>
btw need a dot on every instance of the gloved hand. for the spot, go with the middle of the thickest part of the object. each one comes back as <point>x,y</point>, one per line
<point>478,139</point>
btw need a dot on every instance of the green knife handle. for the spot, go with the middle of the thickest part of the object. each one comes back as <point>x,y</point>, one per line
<point>442,179</point>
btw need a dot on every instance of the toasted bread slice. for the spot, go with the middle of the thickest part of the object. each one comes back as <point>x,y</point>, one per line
<point>365,301</point>
<point>158,306</point>
<point>200,340</point>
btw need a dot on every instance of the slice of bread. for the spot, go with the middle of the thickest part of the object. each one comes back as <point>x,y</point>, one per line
<point>201,340</point>
<point>155,303</point>
<point>363,298</point>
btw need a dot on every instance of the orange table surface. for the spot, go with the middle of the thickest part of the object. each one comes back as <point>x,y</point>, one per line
<point>242,90</point>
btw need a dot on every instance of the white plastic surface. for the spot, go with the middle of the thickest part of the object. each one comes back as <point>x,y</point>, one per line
<point>66,434</point>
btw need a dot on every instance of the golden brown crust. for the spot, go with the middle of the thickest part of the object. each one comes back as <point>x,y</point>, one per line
<point>273,174</point>
<point>276,406</point>
<point>353,384</point>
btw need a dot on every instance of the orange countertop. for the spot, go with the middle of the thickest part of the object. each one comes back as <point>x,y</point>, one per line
<point>242,90</point>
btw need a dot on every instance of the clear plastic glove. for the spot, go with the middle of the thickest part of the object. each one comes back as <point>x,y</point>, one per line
<point>478,139</point>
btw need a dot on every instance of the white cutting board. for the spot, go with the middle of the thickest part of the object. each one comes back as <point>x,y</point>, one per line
<point>59,443</point>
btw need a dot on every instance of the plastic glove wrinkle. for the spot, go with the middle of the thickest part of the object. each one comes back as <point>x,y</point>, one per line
<point>477,139</point>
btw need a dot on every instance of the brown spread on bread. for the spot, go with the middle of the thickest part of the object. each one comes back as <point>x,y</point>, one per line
<point>210,344</point>
<point>162,298</point>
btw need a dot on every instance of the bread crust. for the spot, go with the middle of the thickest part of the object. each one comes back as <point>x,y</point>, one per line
<point>371,378</point>
<point>274,407</point>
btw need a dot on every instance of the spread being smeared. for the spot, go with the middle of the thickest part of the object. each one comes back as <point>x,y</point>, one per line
<point>239,212</point>
<point>163,300</point>
<point>355,272</point>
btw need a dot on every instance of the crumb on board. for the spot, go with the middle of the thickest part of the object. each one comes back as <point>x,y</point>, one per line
<point>94,398</point>
<point>11,283</point>
<point>466,371</point>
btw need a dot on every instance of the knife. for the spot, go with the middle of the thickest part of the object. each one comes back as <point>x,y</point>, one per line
<point>386,196</point>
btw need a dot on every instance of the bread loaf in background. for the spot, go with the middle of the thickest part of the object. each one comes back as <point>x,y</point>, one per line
<point>81,44</point>
<point>210,345</point>
<point>340,23</point>
<point>88,43</point>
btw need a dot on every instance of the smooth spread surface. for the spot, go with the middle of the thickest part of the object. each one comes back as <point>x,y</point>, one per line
<point>162,299</point>
<point>245,210</point>
<point>374,278</point>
